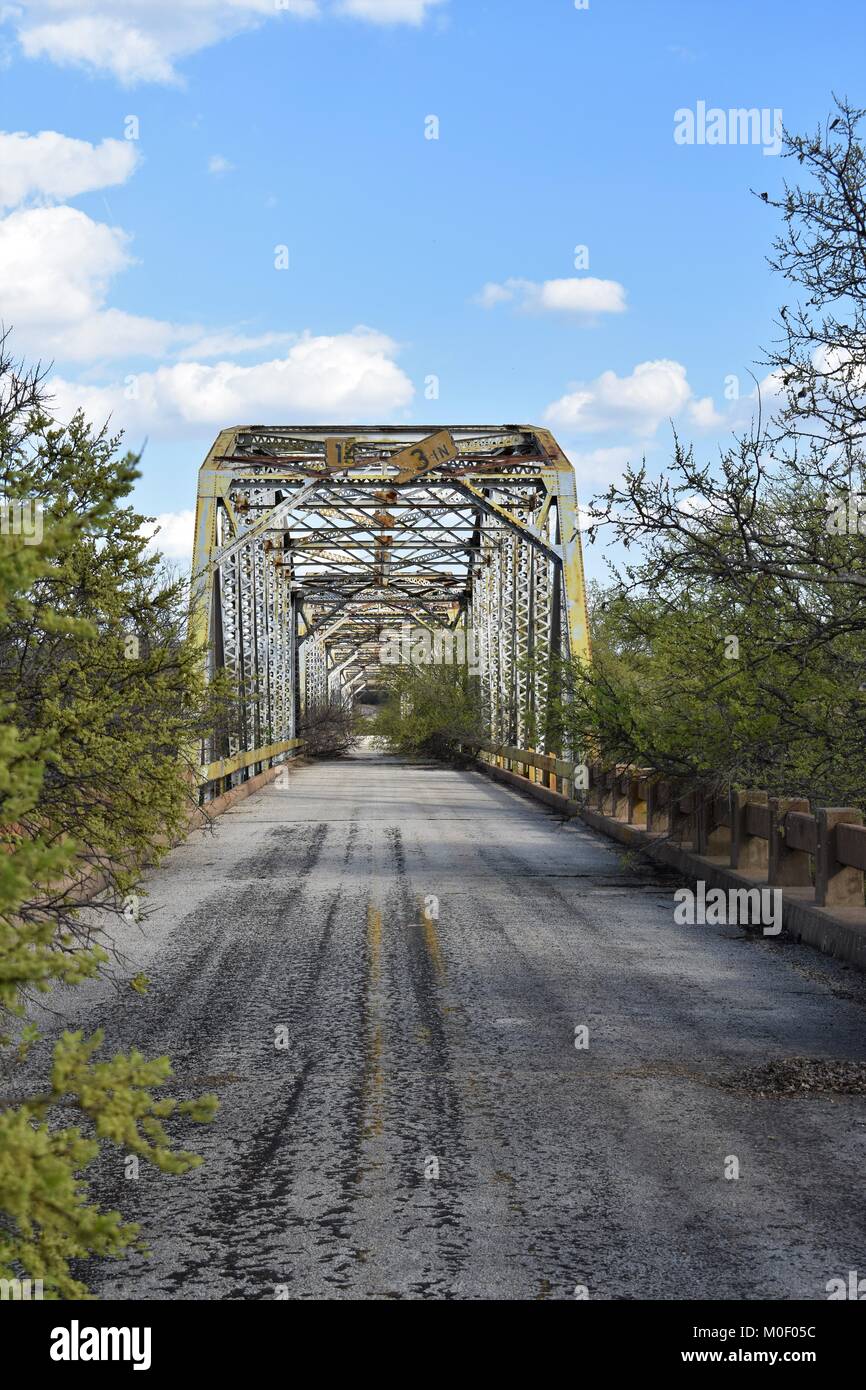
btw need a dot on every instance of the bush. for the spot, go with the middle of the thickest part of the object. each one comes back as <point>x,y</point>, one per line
<point>732,643</point>
<point>330,732</point>
<point>429,711</point>
<point>101,697</point>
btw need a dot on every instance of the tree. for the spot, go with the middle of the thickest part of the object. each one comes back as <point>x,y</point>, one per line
<point>731,644</point>
<point>818,361</point>
<point>430,710</point>
<point>101,695</point>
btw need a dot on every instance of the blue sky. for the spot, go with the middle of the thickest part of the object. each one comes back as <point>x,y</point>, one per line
<point>145,268</point>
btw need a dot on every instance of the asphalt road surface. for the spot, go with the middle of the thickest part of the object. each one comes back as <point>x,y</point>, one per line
<point>380,970</point>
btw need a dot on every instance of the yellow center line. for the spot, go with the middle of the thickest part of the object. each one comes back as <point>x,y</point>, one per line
<point>374,1077</point>
<point>432,942</point>
<point>374,944</point>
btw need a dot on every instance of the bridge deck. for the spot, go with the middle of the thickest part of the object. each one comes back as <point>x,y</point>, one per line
<point>453,1040</point>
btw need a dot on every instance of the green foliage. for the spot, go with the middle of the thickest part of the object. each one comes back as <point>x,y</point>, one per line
<point>731,645</point>
<point>101,697</point>
<point>48,1219</point>
<point>430,709</point>
<point>668,689</point>
<point>99,666</point>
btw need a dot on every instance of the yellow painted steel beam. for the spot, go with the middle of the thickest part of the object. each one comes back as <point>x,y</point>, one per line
<point>561,481</point>
<point>224,767</point>
<point>213,485</point>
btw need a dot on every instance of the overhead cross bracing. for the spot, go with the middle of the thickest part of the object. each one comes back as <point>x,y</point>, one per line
<point>321,551</point>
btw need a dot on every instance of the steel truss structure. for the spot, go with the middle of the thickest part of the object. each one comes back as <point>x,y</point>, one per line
<point>324,554</point>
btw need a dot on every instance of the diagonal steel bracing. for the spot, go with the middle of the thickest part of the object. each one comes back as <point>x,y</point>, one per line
<point>315,546</point>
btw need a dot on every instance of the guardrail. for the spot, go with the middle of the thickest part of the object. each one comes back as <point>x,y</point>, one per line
<point>776,839</point>
<point>217,777</point>
<point>747,830</point>
<point>560,774</point>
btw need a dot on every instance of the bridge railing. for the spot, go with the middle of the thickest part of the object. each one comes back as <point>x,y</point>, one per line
<point>226,773</point>
<point>556,773</point>
<point>821,855</point>
<point>768,836</point>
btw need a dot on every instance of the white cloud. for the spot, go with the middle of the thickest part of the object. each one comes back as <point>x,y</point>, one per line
<point>102,43</point>
<point>342,377</point>
<point>172,534</point>
<point>585,296</point>
<point>493,294</point>
<point>578,296</point>
<point>218,164</point>
<point>388,11</point>
<point>110,335</point>
<point>143,40</point>
<point>55,268</point>
<point>704,415</point>
<point>232,344</point>
<point>655,391</point>
<point>49,165</point>
<point>694,505</point>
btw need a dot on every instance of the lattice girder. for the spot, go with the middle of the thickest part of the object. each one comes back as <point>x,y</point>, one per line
<point>316,547</point>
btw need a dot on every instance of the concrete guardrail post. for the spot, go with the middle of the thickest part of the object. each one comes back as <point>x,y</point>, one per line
<point>836,884</point>
<point>788,868</point>
<point>679,821</point>
<point>637,806</point>
<point>621,795</point>
<point>748,852</point>
<point>702,817</point>
<point>656,805</point>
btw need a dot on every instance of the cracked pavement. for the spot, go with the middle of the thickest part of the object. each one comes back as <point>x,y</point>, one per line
<point>380,971</point>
